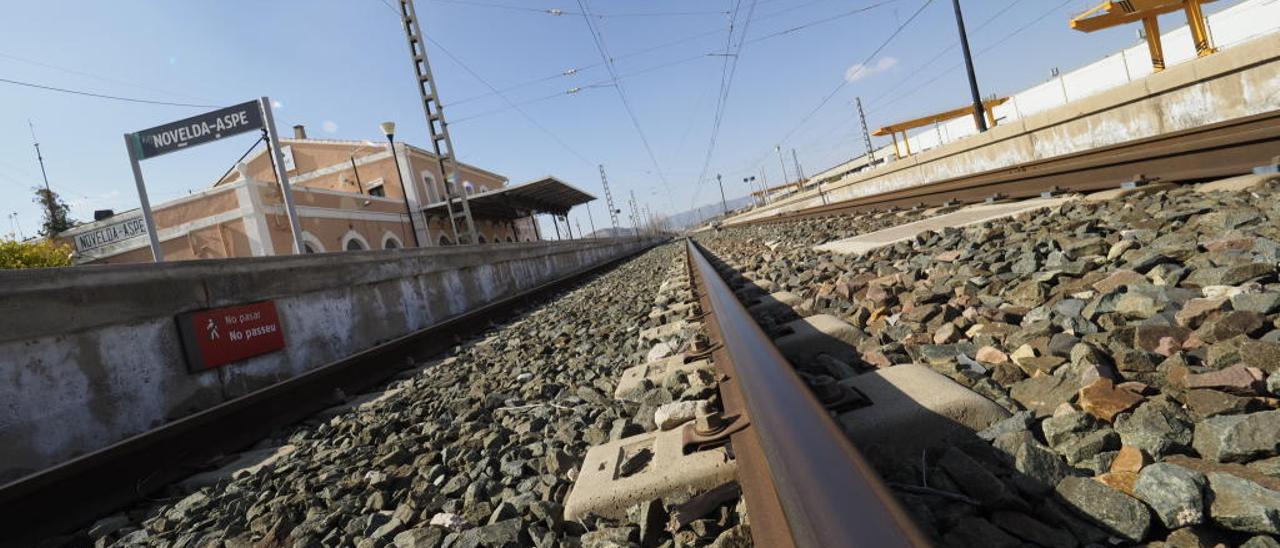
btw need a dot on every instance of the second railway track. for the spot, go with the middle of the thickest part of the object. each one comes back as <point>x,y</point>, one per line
<point>1216,150</point>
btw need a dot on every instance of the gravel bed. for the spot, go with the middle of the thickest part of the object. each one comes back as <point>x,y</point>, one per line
<point>1135,342</point>
<point>478,448</point>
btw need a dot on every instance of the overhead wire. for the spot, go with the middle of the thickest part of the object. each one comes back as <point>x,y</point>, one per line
<point>42,64</point>
<point>979,53</point>
<point>875,107</point>
<point>726,85</point>
<point>103,95</point>
<point>861,66</point>
<point>824,20</point>
<point>670,63</point>
<point>607,82</point>
<point>844,81</point>
<point>486,83</point>
<point>679,41</point>
<point>602,48</point>
<point>558,11</point>
<point>941,53</point>
<point>522,112</point>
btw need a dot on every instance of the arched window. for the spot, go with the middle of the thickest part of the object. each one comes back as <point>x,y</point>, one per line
<point>510,240</point>
<point>391,241</point>
<point>444,240</point>
<point>353,241</point>
<point>311,244</point>
<point>468,187</point>
<point>482,239</point>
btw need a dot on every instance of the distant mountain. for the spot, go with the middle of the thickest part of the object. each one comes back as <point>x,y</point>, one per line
<point>682,220</point>
<point>700,215</point>
<point>612,232</point>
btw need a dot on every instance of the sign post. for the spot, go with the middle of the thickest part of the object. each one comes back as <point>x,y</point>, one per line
<point>198,130</point>
<point>277,160</point>
<point>157,254</point>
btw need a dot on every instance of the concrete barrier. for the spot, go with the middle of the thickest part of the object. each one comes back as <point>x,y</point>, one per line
<point>92,355</point>
<point>1234,83</point>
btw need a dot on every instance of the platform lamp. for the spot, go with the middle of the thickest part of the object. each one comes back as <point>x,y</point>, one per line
<point>389,129</point>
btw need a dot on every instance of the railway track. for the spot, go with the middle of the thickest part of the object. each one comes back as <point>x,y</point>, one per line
<point>1099,418</point>
<point>804,482</point>
<point>72,494</point>
<point>514,441</point>
<point>1222,149</point>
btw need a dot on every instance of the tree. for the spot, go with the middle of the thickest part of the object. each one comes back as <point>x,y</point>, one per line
<point>57,216</point>
<point>33,254</point>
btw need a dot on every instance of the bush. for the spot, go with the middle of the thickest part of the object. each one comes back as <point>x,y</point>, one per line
<point>34,254</point>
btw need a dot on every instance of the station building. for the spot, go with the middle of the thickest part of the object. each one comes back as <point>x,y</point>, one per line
<point>348,197</point>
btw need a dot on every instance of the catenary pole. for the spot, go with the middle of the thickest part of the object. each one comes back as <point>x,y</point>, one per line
<point>978,118</point>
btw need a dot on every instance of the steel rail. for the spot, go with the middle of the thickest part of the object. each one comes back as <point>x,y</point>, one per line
<point>804,482</point>
<point>71,494</point>
<point>1225,148</point>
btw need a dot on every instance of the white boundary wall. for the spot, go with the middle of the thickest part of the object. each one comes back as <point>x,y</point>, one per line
<point>1239,23</point>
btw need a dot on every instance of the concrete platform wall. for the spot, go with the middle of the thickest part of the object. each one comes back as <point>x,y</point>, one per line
<point>1241,81</point>
<point>91,355</point>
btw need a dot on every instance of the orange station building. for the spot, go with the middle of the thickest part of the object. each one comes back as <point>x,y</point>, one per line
<point>348,197</point>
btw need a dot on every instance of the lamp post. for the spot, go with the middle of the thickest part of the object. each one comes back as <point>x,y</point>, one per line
<point>389,129</point>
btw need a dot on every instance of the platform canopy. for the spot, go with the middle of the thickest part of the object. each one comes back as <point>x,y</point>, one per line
<point>939,117</point>
<point>545,195</point>
<point>1111,14</point>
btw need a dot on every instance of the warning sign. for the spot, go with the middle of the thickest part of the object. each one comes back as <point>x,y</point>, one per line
<point>218,336</point>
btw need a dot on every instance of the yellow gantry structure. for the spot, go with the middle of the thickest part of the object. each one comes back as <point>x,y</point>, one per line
<point>1123,12</point>
<point>904,127</point>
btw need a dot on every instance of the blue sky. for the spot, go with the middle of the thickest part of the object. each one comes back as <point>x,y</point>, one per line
<point>341,66</point>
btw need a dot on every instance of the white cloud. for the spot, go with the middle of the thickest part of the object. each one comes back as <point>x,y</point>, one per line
<point>329,126</point>
<point>276,104</point>
<point>859,71</point>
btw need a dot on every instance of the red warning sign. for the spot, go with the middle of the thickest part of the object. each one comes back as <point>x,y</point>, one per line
<point>218,336</point>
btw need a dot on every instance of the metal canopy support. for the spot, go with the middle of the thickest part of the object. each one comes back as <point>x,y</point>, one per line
<point>1199,29</point>
<point>1115,13</point>
<point>442,145</point>
<point>1151,28</point>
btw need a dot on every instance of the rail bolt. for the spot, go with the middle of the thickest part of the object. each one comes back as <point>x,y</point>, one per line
<point>707,421</point>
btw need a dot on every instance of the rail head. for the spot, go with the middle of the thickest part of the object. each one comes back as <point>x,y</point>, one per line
<point>826,492</point>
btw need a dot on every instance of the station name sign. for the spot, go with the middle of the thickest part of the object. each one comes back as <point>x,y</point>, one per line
<point>198,130</point>
<point>217,336</point>
<point>110,234</point>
